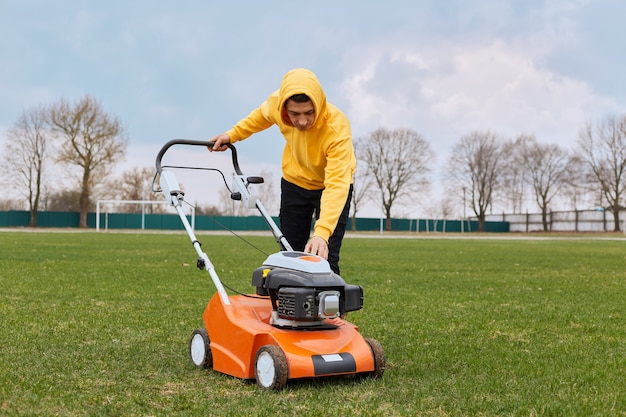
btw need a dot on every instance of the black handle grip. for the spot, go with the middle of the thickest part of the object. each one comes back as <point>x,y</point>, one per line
<point>195,143</point>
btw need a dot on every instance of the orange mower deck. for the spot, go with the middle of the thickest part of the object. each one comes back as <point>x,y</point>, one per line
<point>238,331</point>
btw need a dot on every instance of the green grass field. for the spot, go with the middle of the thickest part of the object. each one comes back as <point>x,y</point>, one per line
<point>98,324</point>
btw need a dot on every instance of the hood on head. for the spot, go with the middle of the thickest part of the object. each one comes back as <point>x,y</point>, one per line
<point>301,81</point>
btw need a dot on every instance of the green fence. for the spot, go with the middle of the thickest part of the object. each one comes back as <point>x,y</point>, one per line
<point>429,225</point>
<point>56,219</point>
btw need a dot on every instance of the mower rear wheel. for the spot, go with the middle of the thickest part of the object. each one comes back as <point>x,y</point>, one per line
<point>379,358</point>
<point>271,368</point>
<point>200,349</point>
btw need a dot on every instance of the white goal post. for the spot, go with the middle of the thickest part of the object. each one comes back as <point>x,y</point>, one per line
<point>143,211</point>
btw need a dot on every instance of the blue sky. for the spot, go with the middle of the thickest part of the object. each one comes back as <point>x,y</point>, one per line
<point>191,69</point>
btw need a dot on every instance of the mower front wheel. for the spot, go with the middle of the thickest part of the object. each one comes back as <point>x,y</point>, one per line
<point>200,349</point>
<point>271,368</point>
<point>379,358</point>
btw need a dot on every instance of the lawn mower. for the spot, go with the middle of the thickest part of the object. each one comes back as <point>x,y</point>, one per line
<point>293,326</point>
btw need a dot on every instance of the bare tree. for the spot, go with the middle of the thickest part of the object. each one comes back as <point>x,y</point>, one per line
<point>27,153</point>
<point>547,169</point>
<point>135,184</point>
<point>267,193</point>
<point>398,162</point>
<point>603,148</point>
<point>208,210</point>
<point>579,182</point>
<point>228,206</point>
<point>362,182</point>
<point>474,165</point>
<point>64,200</point>
<point>91,140</point>
<point>7,205</point>
<point>511,178</point>
<point>440,210</point>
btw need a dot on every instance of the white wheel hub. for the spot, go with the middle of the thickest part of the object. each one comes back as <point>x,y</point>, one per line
<point>266,369</point>
<point>197,350</point>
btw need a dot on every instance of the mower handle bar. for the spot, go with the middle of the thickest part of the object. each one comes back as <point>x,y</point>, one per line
<point>280,239</point>
<point>196,143</point>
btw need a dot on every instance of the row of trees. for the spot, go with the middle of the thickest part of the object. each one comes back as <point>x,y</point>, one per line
<point>484,169</point>
<point>394,169</point>
<point>81,137</point>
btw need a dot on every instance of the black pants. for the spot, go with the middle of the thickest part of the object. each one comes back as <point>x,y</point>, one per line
<point>297,208</point>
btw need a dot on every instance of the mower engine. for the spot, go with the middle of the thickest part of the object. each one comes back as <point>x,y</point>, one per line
<point>304,291</point>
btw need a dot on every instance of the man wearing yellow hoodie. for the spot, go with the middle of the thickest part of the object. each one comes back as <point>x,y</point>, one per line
<point>318,162</point>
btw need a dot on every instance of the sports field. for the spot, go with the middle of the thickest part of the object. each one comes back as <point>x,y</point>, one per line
<point>98,325</point>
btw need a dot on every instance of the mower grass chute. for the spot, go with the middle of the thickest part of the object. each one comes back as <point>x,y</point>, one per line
<point>294,325</point>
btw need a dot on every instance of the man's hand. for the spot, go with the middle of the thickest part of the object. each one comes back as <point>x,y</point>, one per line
<point>220,142</point>
<point>317,246</point>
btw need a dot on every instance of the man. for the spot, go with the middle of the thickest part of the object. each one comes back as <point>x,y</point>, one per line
<point>318,162</point>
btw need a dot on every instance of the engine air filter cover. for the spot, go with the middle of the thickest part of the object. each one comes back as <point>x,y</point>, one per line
<point>296,303</point>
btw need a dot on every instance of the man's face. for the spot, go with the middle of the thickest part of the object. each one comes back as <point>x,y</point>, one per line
<point>301,115</point>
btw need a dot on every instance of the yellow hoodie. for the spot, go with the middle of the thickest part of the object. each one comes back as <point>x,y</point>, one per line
<point>321,158</point>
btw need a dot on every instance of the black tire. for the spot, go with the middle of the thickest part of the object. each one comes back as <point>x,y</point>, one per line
<point>200,349</point>
<point>379,358</point>
<point>271,368</point>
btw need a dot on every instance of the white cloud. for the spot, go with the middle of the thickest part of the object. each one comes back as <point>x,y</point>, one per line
<point>449,90</point>
<point>440,68</point>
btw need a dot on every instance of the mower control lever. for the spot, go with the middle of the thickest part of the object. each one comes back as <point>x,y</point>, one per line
<point>255,180</point>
